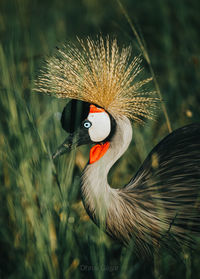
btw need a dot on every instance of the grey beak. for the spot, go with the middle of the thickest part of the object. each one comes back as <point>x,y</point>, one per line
<point>78,138</point>
<point>67,145</point>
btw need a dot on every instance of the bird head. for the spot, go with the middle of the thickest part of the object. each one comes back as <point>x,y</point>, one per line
<point>98,127</point>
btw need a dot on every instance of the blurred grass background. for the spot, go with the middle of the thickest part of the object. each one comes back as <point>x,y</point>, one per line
<point>44,230</point>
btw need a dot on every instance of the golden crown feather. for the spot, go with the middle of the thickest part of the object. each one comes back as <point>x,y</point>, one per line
<point>101,73</point>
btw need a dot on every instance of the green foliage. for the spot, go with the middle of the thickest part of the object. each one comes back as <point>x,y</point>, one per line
<point>44,230</point>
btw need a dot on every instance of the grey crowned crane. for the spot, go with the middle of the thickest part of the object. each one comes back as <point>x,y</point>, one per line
<point>160,205</point>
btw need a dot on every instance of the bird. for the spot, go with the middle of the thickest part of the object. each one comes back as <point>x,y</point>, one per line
<point>160,205</point>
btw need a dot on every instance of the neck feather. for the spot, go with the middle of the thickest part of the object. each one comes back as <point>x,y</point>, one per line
<point>97,194</point>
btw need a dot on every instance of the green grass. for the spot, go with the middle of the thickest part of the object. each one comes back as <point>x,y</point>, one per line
<point>44,229</point>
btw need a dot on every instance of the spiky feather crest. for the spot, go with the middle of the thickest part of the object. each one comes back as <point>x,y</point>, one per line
<point>99,72</point>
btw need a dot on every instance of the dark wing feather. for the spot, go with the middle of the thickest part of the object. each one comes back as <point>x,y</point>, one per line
<point>167,187</point>
<point>175,159</point>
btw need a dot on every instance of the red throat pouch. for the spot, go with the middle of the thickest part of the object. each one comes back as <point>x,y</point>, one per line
<point>97,151</point>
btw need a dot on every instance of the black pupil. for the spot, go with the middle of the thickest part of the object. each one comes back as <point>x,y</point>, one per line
<point>87,124</point>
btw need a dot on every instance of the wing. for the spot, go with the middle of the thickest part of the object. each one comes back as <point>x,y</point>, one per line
<point>166,188</point>
<point>175,161</point>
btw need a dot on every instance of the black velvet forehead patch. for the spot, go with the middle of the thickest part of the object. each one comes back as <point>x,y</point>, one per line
<point>73,115</point>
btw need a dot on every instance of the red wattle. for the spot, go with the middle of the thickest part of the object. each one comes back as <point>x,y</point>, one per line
<point>97,151</point>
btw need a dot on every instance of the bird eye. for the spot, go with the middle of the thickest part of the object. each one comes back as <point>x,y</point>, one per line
<point>87,124</point>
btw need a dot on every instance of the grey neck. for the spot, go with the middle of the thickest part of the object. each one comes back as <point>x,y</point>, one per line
<point>97,194</point>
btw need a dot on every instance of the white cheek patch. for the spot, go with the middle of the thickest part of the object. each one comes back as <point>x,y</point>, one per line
<point>101,126</point>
